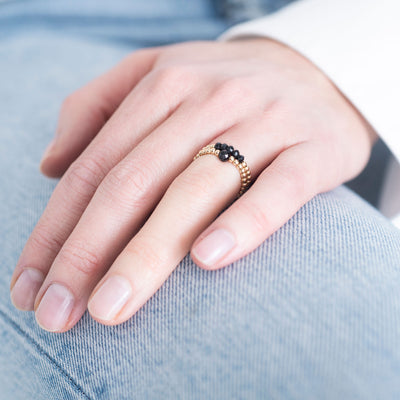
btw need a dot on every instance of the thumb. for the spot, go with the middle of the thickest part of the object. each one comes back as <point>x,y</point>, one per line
<point>85,111</point>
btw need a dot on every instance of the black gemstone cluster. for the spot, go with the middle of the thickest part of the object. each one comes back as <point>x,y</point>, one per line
<point>226,151</point>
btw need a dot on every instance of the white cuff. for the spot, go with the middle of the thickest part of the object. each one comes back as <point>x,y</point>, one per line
<point>355,42</point>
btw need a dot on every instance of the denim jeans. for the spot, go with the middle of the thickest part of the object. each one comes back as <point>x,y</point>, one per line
<point>241,10</point>
<point>312,313</point>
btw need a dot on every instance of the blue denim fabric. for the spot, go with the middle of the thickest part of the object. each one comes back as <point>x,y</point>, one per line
<point>124,22</point>
<point>313,313</point>
<point>242,10</point>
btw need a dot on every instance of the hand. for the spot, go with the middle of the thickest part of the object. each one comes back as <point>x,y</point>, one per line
<point>132,203</point>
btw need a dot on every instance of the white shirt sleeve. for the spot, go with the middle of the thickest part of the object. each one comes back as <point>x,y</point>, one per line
<point>356,43</point>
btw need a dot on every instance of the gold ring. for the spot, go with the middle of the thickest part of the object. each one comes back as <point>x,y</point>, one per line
<point>227,153</point>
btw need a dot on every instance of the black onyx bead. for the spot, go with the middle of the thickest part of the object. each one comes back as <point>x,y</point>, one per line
<point>230,149</point>
<point>235,153</point>
<point>240,158</point>
<point>224,146</point>
<point>217,146</point>
<point>223,155</point>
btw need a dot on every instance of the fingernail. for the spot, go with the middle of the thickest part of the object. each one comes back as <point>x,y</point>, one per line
<point>55,308</point>
<point>48,149</point>
<point>110,298</point>
<point>214,246</point>
<point>25,289</point>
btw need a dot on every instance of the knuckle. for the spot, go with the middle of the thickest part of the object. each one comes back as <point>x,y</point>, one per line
<point>78,256</point>
<point>128,185</point>
<point>173,76</point>
<point>69,102</point>
<point>295,180</point>
<point>43,239</point>
<point>195,182</point>
<point>96,107</point>
<point>236,90</point>
<point>260,220</point>
<point>132,57</point>
<point>153,260</point>
<point>84,176</point>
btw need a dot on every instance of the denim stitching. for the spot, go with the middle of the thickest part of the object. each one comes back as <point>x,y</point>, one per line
<point>43,352</point>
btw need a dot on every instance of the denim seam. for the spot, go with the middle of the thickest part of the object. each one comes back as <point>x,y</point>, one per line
<point>38,347</point>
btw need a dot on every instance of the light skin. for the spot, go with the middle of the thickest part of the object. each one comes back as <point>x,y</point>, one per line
<point>131,202</point>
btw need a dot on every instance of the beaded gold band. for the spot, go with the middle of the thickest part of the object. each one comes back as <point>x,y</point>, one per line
<point>227,153</point>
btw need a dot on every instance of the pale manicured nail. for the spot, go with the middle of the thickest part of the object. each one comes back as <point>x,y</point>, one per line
<point>24,292</point>
<point>110,298</point>
<point>55,308</point>
<point>214,246</point>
